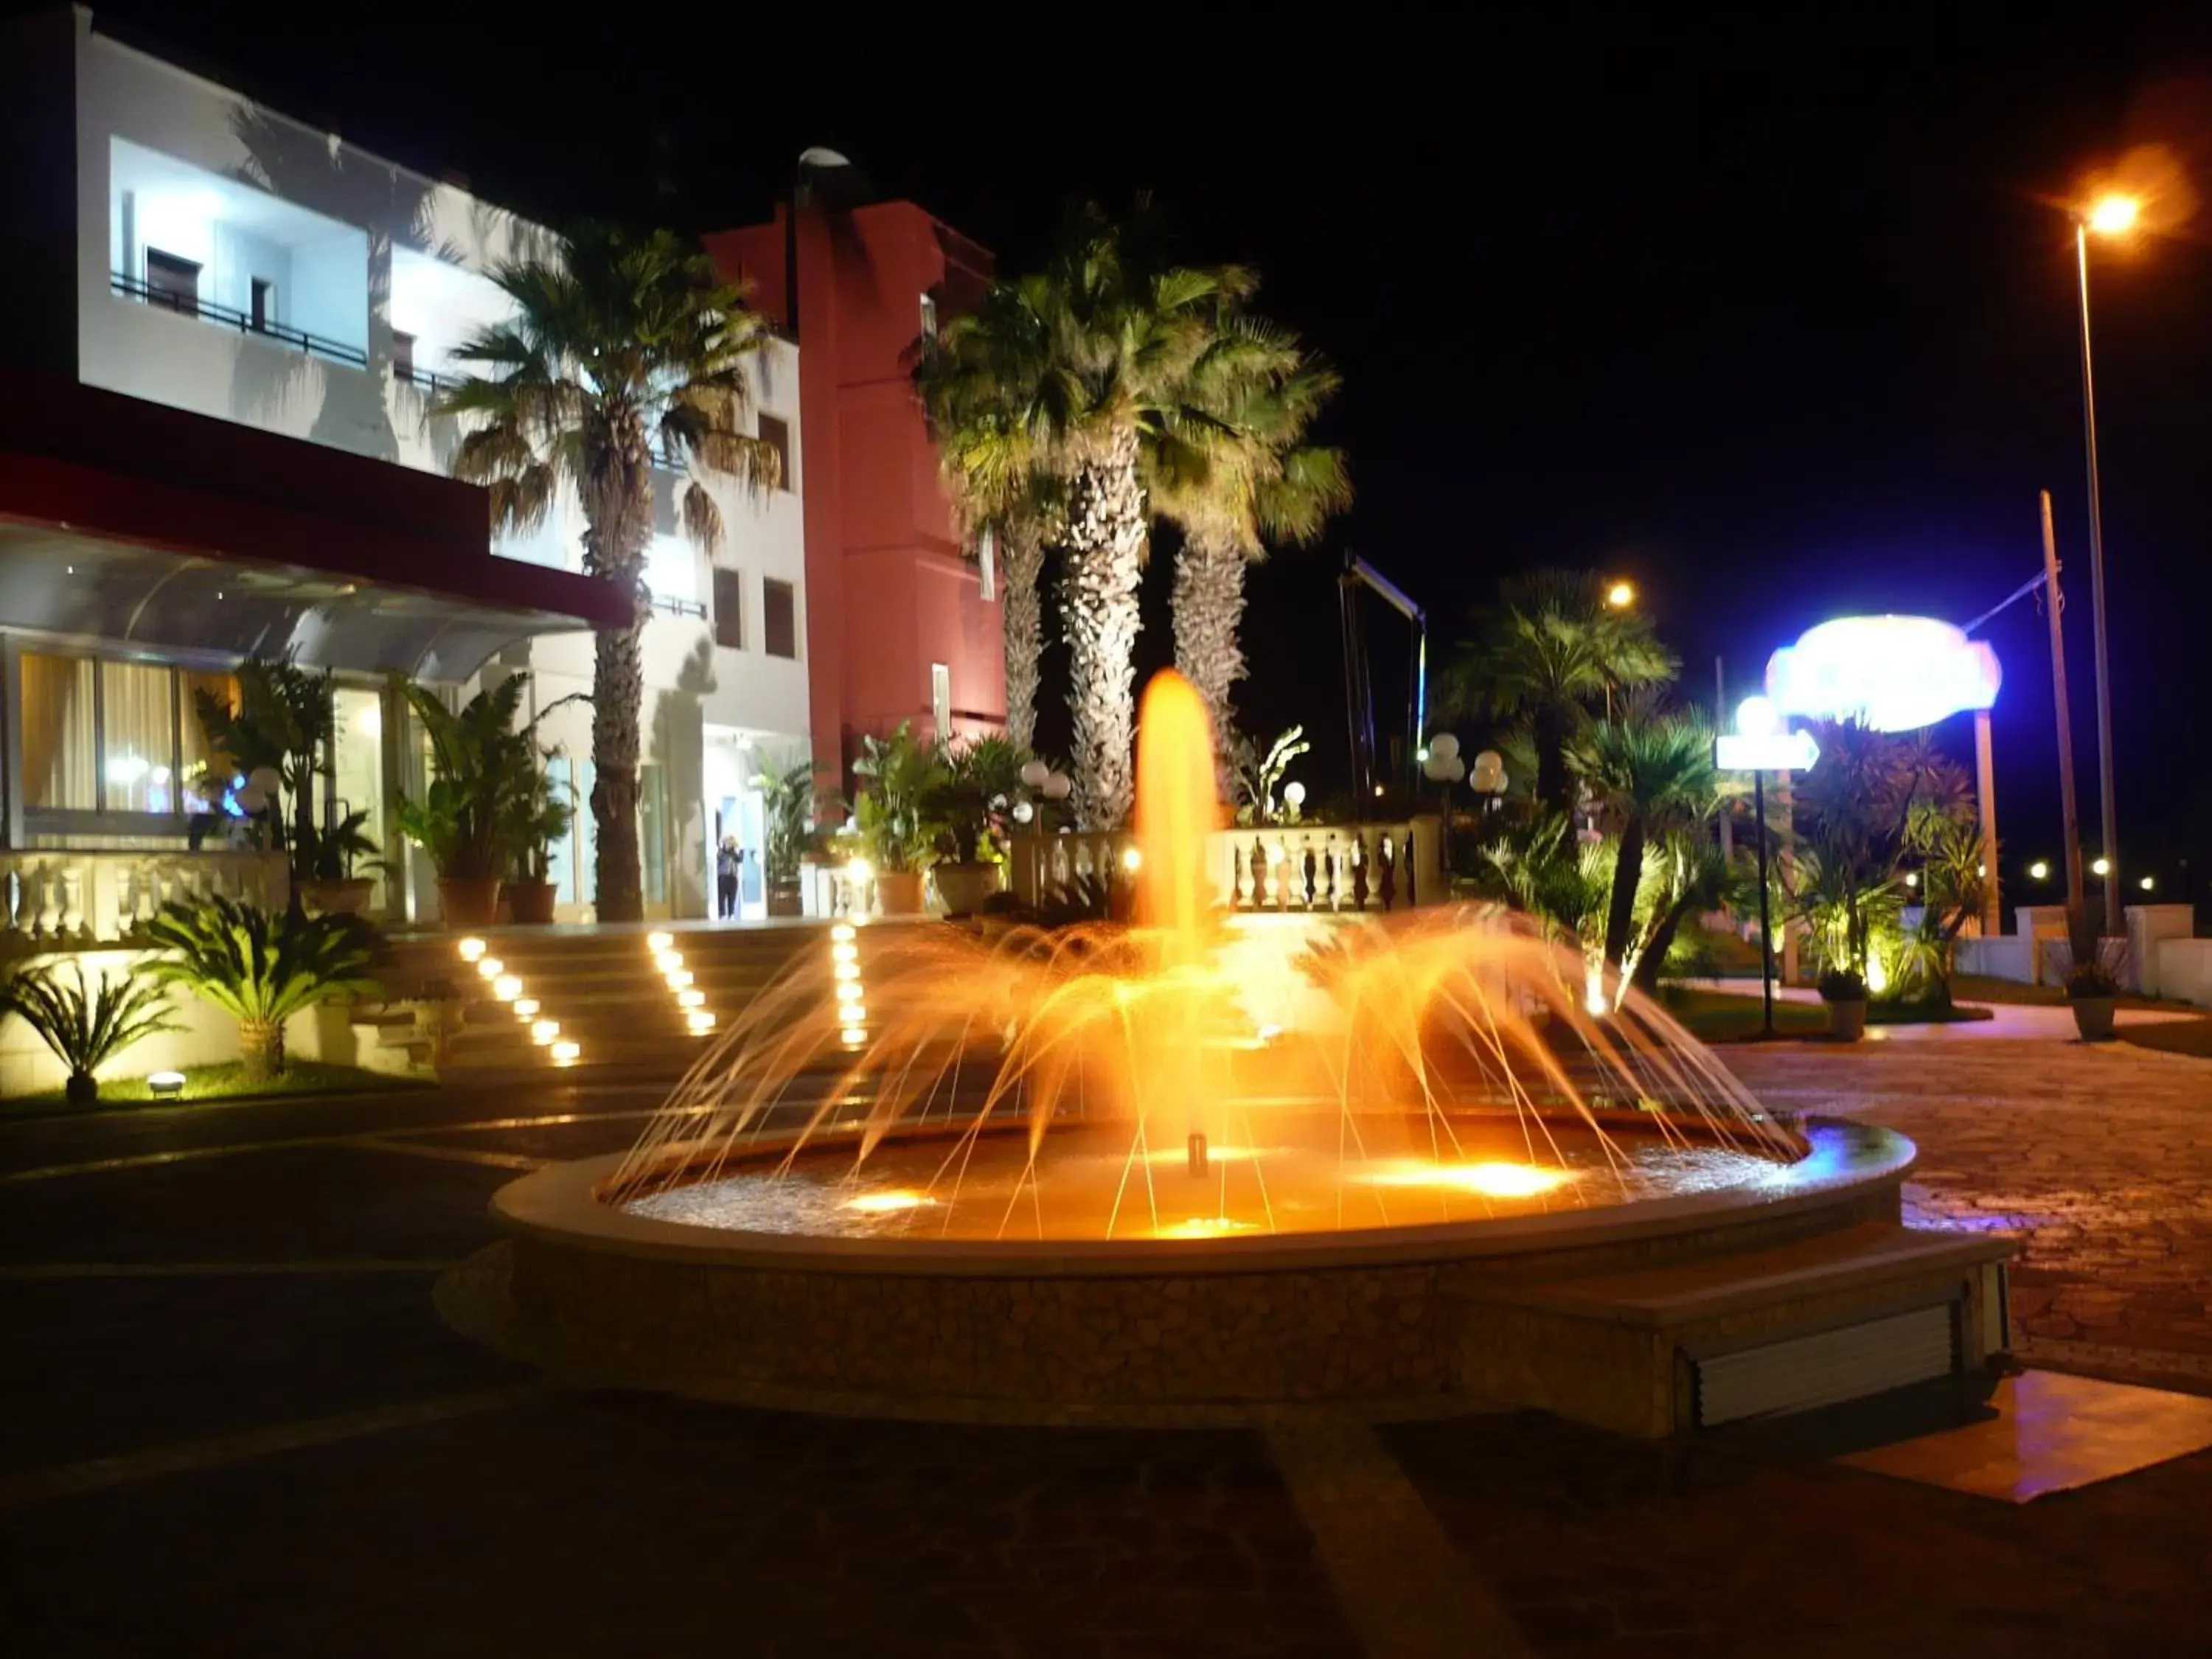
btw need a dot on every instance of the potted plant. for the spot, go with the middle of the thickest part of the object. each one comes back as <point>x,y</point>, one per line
<point>2092,992</point>
<point>786,802</point>
<point>261,968</point>
<point>971,796</point>
<point>331,854</point>
<point>276,733</point>
<point>480,766</point>
<point>85,1027</point>
<point>894,830</point>
<point>1844,991</point>
<point>537,819</point>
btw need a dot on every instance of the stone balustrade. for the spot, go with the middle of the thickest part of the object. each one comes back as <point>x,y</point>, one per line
<point>63,898</point>
<point>1271,867</point>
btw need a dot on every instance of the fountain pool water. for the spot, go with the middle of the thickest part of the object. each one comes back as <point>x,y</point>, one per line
<point>1185,1161</point>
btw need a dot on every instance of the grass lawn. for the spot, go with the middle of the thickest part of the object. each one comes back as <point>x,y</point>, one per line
<point>1723,1017</point>
<point>224,1082</point>
<point>1972,988</point>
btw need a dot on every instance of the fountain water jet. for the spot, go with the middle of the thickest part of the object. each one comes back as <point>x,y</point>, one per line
<point>1039,1157</point>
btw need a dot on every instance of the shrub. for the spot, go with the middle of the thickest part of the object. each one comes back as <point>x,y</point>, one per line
<point>262,969</point>
<point>87,1026</point>
<point>1842,985</point>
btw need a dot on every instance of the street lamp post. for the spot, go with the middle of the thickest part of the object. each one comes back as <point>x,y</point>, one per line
<point>2111,215</point>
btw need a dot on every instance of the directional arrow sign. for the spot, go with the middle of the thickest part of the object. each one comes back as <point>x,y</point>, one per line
<point>1778,751</point>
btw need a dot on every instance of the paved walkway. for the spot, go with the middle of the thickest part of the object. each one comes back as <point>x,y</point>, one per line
<point>235,1426</point>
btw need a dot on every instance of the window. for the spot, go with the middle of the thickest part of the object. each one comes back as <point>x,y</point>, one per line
<point>729,608</point>
<point>403,356</point>
<point>172,282</point>
<point>929,316</point>
<point>987,563</point>
<point>114,736</point>
<point>941,699</point>
<point>776,435</point>
<point>263,303</point>
<point>779,618</point>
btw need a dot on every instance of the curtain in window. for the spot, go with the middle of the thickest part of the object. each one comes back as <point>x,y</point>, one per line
<point>57,732</point>
<point>141,725</point>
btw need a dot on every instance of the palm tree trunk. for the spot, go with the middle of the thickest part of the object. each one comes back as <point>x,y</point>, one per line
<point>1627,876</point>
<point>1105,558</point>
<point>1022,579</point>
<point>1555,785</point>
<point>261,1049</point>
<point>1209,605</point>
<point>618,499</point>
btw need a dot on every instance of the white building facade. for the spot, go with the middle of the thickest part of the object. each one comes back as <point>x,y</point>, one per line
<point>235,264</point>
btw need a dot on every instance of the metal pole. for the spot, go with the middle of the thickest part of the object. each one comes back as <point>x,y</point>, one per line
<point>2113,920</point>
<point>2077,902</point>
<point>1766,924</point>
<point>1985,786</point>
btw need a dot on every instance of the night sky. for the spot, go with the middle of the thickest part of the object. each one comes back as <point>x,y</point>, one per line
<point>1777,322</point>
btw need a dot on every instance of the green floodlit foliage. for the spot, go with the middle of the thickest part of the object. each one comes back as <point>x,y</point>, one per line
<point>261,969</point>
<point>85,1024</point>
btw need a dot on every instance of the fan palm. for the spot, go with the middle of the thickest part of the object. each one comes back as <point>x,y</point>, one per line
<point>999,489</point>
<point>85,1027</point>
<point>622,346</point>
<point>261,969</point>
<point>1649,774</point>
<point>1548,651</point>
<point>1070,371</point>
<point>1230,468</point>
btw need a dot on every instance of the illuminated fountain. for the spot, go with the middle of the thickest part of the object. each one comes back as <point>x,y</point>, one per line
<point>1185,1164</point>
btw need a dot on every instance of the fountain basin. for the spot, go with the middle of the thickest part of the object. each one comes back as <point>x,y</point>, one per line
<point>1405,1320</point>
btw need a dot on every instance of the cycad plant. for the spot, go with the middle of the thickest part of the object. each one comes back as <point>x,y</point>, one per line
<point>622,346</point>
<point>85,1025</point>
<point>261,969</point>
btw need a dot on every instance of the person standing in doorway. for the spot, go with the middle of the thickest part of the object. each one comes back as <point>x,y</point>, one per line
<point>725,878</point>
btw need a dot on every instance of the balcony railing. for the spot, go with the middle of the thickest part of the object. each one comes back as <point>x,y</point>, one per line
<point>429,385</point>
<point>692,608</point>
<point>62,899</point>
<point>297,339</point>
<point>1336,868</point>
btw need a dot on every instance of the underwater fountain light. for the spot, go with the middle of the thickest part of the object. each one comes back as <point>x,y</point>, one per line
<point>165,1085</point>
<point>471,948</point>
<point>1495,1179</point>
<point>888,1203</point>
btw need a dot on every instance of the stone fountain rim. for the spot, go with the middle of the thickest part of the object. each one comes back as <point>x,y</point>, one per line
<point>563,1204</point>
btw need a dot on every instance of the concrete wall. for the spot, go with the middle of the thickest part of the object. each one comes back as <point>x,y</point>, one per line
<point>2184,970</point>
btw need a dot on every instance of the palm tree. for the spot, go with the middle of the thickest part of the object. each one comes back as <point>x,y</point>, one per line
<point>1551,649</point>
<point>623,345</point>
<point>1068,372</point>
<point>999,489</point>
<point>1650,775</point>
<point>1232,471</point>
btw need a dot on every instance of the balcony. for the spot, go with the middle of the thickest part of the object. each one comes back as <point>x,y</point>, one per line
<point>128,287</point>
<point>62,900</point>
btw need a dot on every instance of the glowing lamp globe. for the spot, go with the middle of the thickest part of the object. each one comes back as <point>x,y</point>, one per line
<point>1443,745</point>
<point>1891,673</point>
<point>1294,794</point>
<point>1034,773</point>
<point>1490,772</point>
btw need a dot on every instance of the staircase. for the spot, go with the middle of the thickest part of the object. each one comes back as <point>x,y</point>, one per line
<point>605,990</point>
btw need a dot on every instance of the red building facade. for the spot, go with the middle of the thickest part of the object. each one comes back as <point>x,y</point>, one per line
<point>900,625</point>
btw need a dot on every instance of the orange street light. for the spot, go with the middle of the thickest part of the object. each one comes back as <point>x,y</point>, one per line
<point>1620,595</point>
<point>2113,215</point>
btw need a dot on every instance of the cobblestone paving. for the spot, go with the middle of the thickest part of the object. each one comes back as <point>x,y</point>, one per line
<point>234,1425</point>
<point>2097,1157</point>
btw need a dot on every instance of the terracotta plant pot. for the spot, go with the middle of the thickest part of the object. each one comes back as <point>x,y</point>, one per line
<point>347,897</point>
<point>1847,1019</point>
<point>531,901</point>
<point>898,892</point>
<point>463,904</point>
<point>785,899</point>
<point>965,887</point>
<point>2093,1016</point>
